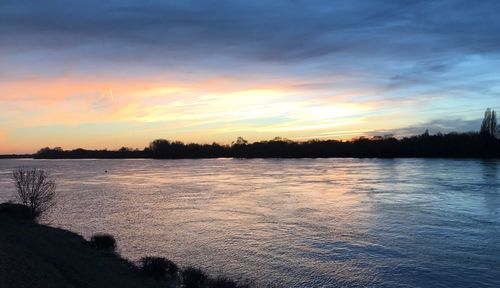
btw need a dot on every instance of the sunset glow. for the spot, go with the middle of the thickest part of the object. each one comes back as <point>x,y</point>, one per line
<point>117,78</point>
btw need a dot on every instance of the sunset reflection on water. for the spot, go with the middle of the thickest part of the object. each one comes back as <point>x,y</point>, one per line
<point>292,223</point>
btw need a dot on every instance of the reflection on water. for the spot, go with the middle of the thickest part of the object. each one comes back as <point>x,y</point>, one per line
<point>293,223</point>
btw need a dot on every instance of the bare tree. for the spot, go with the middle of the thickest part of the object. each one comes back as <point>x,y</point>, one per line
<point>35,190</point>
<point>489,124</point>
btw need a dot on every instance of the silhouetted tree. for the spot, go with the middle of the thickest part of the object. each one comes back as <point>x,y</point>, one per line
<point>473,144</point>
<point>240,141</point>
<point>159,148</point>
<point>125,149</point>
<point>489,124</point>
<point>35,190</point>
<point>158,144</point>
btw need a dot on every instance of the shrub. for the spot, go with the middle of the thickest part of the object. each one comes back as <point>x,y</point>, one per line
<point>35,190</point>
<point>103,242</point>
<point>224,282</point>
<point>193,277</point>
<point>158,267</point>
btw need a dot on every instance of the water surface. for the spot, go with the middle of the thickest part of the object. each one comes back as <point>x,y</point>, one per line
<point>292,223</point>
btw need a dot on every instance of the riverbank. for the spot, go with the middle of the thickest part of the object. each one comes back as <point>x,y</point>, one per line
<point>36,255</point>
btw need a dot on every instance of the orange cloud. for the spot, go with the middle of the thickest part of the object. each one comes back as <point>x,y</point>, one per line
<point>212,109</point>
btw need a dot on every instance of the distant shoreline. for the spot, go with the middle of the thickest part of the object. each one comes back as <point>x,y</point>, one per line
<point>15,156</point>
<point>453,145</point>
<point>3,157</point>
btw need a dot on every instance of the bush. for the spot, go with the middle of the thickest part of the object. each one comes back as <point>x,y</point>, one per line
<point>224,282</point>
<point>158,267</point>
<point>35,190</point>
<point>193,277</point>
<point>103,242</point>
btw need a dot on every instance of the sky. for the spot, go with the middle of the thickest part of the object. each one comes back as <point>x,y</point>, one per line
<point>108,73</point>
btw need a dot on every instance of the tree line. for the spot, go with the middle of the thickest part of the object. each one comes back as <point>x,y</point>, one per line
<point>482,144</point>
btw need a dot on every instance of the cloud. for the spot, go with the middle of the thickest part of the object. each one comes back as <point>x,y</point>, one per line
<point>434,126</point>
<point>281,31</point>
<point>394,46</point>
<point>188,63</point>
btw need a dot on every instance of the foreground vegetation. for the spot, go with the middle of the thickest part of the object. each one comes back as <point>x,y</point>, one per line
<point>35,255</point>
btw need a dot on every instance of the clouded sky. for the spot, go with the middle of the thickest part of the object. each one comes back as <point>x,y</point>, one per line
<point>106,74</point>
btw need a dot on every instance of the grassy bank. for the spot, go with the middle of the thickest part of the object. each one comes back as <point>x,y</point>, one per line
<point>35,255</point>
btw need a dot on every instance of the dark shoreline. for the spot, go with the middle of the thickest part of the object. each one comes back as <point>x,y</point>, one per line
<point>453,145</point>
<point>38,255</point>
<point>15,156</point>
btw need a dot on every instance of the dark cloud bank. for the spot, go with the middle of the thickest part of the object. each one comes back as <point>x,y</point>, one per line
<point>434,32</point>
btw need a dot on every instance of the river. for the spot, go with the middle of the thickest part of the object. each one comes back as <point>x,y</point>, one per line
<point>293,222</point>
